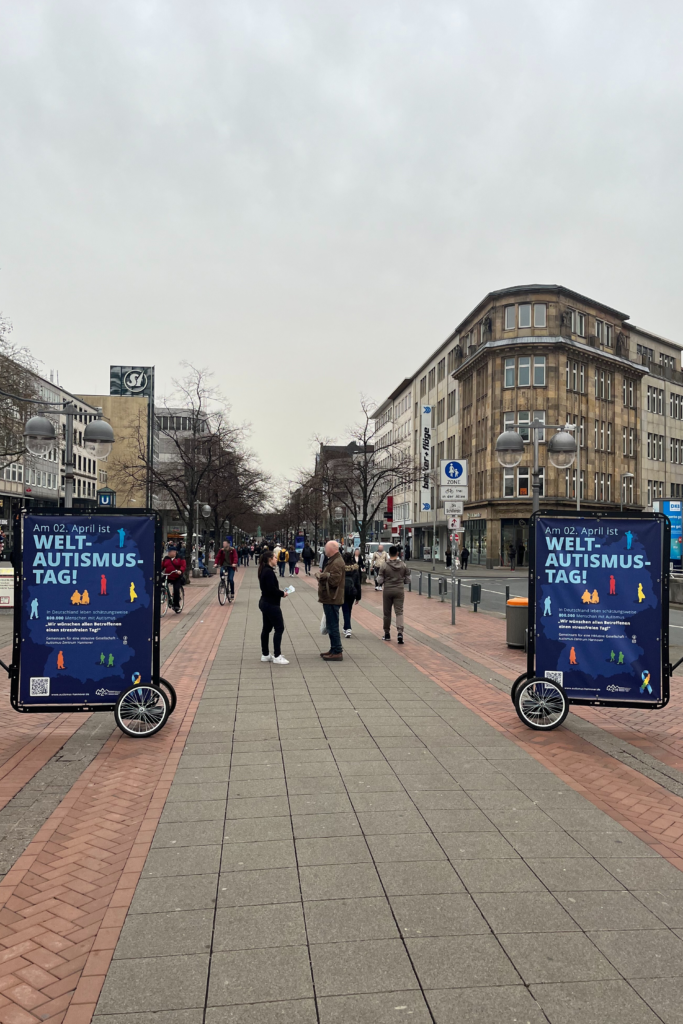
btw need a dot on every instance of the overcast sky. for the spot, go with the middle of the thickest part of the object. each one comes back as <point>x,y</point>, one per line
<point>306,197</point>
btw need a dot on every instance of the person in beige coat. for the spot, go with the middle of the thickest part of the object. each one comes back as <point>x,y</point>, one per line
<point>378,562</point>
<point>393,576</point>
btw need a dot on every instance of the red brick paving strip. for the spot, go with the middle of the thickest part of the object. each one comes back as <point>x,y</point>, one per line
<point>66,898</point>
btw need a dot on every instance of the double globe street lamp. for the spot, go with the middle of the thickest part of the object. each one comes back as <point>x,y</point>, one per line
<point>562,450</point>
<point>40,438</point>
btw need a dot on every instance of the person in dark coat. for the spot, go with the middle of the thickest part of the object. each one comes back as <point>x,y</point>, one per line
<point>464,556</point>
<point>271,595</point>
<point>293,559</point>
<point>449,558</point>
<point>352,590</point>
<point>308,556</point>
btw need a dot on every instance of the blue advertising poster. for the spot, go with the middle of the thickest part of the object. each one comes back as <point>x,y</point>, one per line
<point>87,611</point>
<point>598,607</point>
<point>299,544</point>
<point>672,509</point>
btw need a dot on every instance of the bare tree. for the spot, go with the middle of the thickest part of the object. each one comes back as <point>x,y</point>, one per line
<point>18,371</point>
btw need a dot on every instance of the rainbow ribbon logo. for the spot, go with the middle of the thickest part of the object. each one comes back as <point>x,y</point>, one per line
<point>645,685</point>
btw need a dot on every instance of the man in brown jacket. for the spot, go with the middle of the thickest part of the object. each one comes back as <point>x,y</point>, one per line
<point>331,595</point>
<point>393,577</point>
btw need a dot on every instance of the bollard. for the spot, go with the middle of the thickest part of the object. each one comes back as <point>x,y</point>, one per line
<point>507,596</point>
<point>443,586</point>
<point>458,592</point>
<point>475,595</point>
<point>419,585</point>
<point>429,584</point>
<point>452,602</point>
<point>410,583</point>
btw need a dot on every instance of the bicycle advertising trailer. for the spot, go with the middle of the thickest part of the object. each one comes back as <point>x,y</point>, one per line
<point>598,628</point>
<point>86,616</point>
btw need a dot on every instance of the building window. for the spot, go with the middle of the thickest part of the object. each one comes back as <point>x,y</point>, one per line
<point>423,387</point>
<point>524,371</point>
<point>441,368</point>
<point>596,446</point>
<point>508,483</point>
<point>452,356</point>
<point>509,373</point>
<point>440,411</point>
<point>598,329</point>
<point>432,378</point>
<point>539,415</point>
<point>524,416</point>
<point>509,318</point>
<point>451,403</point>
<point>609,335</point>
<point>609,437</point>
<point>609,486</point>
<point>441,452</point>
<point>525,314</point>
<point>631,440</point>
<point>649,492</point>
<point>540,319</point>
<point>624,440</point>
<point>523,489</point>
<point>450,447</point>
<point>539,371</point>
<point>581,325</point>
<point>668,362</point>
<point>648,354</point>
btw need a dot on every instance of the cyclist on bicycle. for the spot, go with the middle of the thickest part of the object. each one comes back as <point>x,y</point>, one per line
<point>173,568</point>
<point>226,559</point>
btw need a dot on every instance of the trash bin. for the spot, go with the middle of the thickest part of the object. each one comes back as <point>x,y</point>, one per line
<point>516,615</point>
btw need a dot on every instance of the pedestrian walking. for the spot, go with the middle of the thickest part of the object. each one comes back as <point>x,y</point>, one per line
<point>449,558</point>
<point>407,552</point>
<point>269,603</point>
<point>464,556</point>
<point>377,564</point>
<point>282,559</point>
<point>293,559</point>
<point>331,583</point>
<point>512,555</point>
<point>393,578</point>
<point>307,556</point>
<point>352,590</point>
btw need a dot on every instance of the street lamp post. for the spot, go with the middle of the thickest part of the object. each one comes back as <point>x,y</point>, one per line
<point>40,438</point>
<point>562,450</point>
<point>624,476</point>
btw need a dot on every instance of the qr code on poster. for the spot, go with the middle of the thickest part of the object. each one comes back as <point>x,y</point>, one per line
<point>555,677</point>
<point>40,686</point>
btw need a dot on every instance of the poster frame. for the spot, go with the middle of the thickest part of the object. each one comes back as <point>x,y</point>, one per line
<point>599,514</point>
<point>66,513</point>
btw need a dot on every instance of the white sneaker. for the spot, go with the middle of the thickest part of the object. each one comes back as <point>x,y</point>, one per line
<point>266,657</point>
<point>347,634</point>
<point>279,661</point>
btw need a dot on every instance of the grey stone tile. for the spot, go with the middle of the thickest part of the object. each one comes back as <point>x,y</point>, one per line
<point>643,872</point>
<point>504,800</point>
<point>257,807</point>
<point>248,888</point>
<point>154,984</point>
<point>642,954</point>
<point>619,843</point>
<point>315,771</point>
<point>256,757</point>
<point>666,904</point>
<point>299,1011</point>
<point>502,875</point>
<point>250,975</point>
<point>180,792</point>
<point>440,781</point>
<point>257,830</point>
<point>581,819</point>
<point>475,846</point>
<point>194,833</point>
<point>382,802</point>
<point>349,920</point>
<point>165,934</point>
<point>193,810</point>
<point>478,782</point>
<point>256,771</point>
<point>458,821</point>
<point>346,968</point>
<point>556,957</point>
<point>663,995</point>
<point>373,784</point>
<point>593,1002</point>
<point>338,850</point>
<point>507,1004</point>
<point>446,800</point>
<point>339,881</point>
<point>461,961</point>
<point>201,776</point>
<point>184,892</point>
<point>279,924</point>
<point>564,873</point>
<point>204,761</point>
<point>608,910</point>
<point>522,821</point>
<point>350,768</point>
<point>278,853</point>
<point>524,912</point>
<point>419,878</point>
<point>446,914</point>
<point>182,860</point>
<point>245,788</point>
<point>415,846</point>
<point>375,1008</point>
<point>170,1017</point>
<point>319,826</point>
<point>392,822</point>
<point>320,803</point>
<point>545,844</point>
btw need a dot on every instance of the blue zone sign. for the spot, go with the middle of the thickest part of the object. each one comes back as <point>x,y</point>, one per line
<point>598,607</point>
<point>87,608</point>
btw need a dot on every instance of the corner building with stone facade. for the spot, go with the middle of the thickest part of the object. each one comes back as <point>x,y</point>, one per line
<point>549,353</point>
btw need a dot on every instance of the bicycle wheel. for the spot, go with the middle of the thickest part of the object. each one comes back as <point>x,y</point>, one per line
<point>142,711</point>
<point>222,592</point>
<point>164,685</point>
<point>181,600</point>
<point>541,704</point>
<point>163,601</point>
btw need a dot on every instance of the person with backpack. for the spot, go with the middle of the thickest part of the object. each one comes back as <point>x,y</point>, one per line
<point>352,590</point>
<point>307,556</point>
<point>282,559</point>
<point>393,577</point>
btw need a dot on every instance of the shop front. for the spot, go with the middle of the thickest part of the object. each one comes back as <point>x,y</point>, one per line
<point>514,532</point>
<point>475,540</point>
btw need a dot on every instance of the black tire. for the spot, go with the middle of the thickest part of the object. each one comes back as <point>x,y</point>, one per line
<point>171,694</point>
<point>142,711</point>
<point>541,704</point>
<point>518,680</point>
<point>163,601</point>
<point>222,592</point>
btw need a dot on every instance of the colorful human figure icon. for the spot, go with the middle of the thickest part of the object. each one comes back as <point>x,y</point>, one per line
<point>621,658</point>
<point>110,662</point>
<point>612,586</point>
<point>133,595</point>
<point>641,593</point>
<point>629,539</point>
<point>34,608</point>
<point>75,597</point>
<point>586,597</point>
<point>85,597</point>
<point>103,585</point>
<point>612,656</point>
<point>547,610</point>
<point>102,658</point>
<point>595,599</point>
<point>122,536</point>
<point>572,657</point>
<point>60,660</point>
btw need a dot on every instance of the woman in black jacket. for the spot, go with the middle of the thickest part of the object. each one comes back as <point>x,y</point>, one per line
<point>352,590</point>
<point>271,595</point>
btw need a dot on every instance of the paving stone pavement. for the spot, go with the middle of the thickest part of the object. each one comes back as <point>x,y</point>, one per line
<point>349,843</point>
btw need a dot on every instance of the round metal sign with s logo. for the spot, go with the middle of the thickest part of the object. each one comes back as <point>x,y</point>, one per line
<point>135,380</point>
